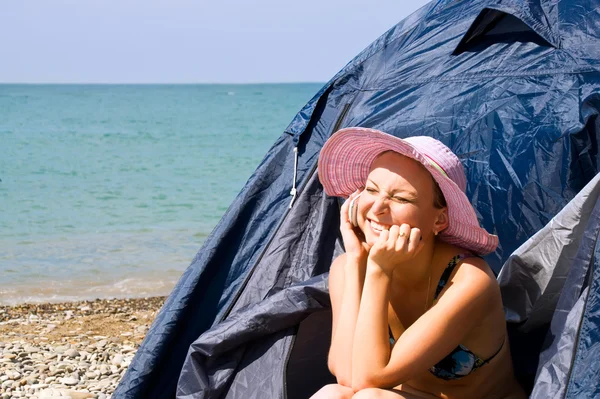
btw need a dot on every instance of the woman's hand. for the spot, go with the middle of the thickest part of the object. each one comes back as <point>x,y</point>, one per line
<point>354,242</point>
<point>395,246</point>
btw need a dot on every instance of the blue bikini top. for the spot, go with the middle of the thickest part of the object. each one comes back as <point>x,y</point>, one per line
<point>461,361</point>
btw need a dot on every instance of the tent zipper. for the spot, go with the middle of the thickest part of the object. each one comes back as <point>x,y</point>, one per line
<point>341,118</point>
<point>337,125</point>
<point>247,279</point>
<point>293,192</point>
<point>287,359</point>
<point>576,346</point>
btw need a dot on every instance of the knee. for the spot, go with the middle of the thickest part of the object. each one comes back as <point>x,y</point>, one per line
<point>369,393</point>
<point>333,391</point>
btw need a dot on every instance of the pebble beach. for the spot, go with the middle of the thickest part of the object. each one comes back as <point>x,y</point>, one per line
<point>76,349</point>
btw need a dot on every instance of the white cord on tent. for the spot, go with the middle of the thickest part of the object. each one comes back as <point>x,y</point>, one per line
<point>294,191</point>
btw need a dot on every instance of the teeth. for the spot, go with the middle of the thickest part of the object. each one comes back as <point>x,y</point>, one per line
<point>378,227</point>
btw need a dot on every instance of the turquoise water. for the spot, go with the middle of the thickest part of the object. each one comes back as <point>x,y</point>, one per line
<point>110,190</point>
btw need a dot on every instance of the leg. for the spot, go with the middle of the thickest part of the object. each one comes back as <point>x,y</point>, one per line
<point>376,393</point>
<point>333,391</point>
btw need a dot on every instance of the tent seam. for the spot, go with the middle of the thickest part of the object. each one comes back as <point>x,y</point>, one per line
<point>480,76</point>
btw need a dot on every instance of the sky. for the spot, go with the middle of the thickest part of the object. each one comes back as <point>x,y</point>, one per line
<point>188,41</point>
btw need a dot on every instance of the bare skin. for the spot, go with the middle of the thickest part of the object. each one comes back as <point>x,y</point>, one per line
<point>387,280</point>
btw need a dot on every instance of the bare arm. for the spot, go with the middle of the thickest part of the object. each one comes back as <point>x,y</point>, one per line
<point>425,342</point>
<point>345,287</point>
<point>346,279</point>
<point>371,349</point>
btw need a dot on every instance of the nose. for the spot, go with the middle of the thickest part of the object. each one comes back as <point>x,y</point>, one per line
<point>380,205</point>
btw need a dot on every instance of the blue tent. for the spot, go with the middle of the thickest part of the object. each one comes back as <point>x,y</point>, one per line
<point>513,88</point>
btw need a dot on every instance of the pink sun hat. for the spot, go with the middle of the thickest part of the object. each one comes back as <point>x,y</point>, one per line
<point>345,162</point>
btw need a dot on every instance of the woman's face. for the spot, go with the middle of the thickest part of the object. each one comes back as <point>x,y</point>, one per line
<point>398,190</point>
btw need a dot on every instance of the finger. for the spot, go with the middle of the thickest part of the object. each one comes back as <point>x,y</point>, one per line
<point>393,236</point>
<point>346,203</point>
<point>403,237</point>
<point>346,225</point>
<point>414,239</point>
<point>344,212</point>
<point>383,236</point>
<point>344,208</point>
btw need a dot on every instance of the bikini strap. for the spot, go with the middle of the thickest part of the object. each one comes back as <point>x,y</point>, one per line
<point>480,362</point>
<point>448,271</point>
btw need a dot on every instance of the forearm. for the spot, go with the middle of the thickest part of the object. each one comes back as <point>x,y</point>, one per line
<point>371,347</point>
<point>340,353</point>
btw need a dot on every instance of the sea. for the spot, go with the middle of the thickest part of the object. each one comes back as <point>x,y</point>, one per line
<point>110,190</point>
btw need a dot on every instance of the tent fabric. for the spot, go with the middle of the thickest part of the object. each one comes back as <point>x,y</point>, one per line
<point>512,87</point>
<point>533,277</point>
<point>532,283</point>
<point>205,375</point>
<point>585,367</point>
<point>585,373</point>
<point>568,367</point>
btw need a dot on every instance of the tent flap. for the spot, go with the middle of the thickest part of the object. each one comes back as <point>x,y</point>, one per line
<point>260,335</point>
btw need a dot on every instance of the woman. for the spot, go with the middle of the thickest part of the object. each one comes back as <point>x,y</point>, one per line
<point>417,313</point>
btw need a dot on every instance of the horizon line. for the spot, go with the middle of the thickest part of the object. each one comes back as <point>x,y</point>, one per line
<point>159,83</point>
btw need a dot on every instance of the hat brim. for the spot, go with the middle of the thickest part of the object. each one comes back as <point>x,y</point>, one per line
<point>344,164</point>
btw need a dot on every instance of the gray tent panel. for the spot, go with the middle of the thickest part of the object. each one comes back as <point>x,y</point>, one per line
<point>554,372</point>
<point>584,381</point>
<point>542,285</point>
<point>569,363</point>
<point>533,277</point>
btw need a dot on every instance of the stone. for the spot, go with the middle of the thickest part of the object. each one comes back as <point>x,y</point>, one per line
<point>61,349</point>
<point>6,384</point>
<point>31,349</point>
<point>68,381</point>
<point>117,360</point>
<point>71,353</point>
<point>77,394</point>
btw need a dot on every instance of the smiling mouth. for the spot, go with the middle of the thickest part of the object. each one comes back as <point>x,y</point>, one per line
<point>378,227</point>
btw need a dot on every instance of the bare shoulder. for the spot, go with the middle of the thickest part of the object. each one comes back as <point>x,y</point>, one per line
<point>475,267</point>
<point>472,277</point>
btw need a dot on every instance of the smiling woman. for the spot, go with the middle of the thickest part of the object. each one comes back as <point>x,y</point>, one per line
<point>417,312</point>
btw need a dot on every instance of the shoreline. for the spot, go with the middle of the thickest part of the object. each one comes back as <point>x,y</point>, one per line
<point>79,349</point>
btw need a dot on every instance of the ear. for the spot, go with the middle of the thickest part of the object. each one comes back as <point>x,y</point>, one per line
<point>441,221</point>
